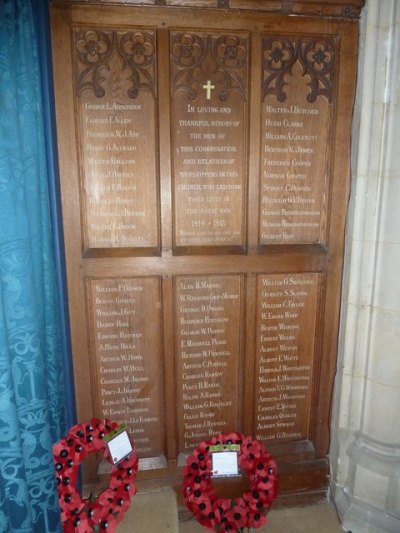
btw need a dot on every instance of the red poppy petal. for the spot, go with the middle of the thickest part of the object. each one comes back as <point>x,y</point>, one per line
<point>238,516</point>
<point>256,519</point>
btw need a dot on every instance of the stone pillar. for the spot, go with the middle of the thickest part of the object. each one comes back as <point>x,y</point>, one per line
<point>365,440</point>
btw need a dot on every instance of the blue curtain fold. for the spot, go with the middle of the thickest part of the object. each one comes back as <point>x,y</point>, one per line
<point>42,25</point>
<point>33,398</point>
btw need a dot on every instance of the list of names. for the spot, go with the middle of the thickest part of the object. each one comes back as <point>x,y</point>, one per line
<point>119,171</point>
<point>293,168</point>
<point>286,315</point>
<point>127,352</point>
<point>207,359</point>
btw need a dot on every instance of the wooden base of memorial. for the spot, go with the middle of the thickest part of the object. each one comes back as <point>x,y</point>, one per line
<point>204,154</point>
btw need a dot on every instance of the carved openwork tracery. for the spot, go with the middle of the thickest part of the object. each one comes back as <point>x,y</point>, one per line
<point>197,57</point>
<point>132,54</point>
<point>316,57</point>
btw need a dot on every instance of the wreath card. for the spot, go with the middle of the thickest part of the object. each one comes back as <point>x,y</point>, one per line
<point>225,460</point>
<point>119,444</point>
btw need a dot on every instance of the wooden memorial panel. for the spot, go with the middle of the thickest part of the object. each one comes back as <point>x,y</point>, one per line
<point>204,160</point>
<point>296,119</point>
<point>287,306</point>
<point>127,360</point>
<point>207,333</point>
<point>116,101</point>
<point>208,146</point>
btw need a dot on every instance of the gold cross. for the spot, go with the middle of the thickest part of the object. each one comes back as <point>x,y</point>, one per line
<point>208,88</point>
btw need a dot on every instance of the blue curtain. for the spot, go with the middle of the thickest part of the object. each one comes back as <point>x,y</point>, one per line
<point>33,396</point>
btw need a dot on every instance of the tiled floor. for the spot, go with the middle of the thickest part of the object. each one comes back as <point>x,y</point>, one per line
<point>156,512</point>
<point>311,519</point>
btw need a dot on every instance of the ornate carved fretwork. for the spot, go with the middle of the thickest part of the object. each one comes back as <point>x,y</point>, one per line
<point>198,57</point>
<point>131,53</point>
<point>316,57</point>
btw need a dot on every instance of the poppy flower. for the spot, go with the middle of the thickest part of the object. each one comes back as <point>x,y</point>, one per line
<point>200,452</point>
<point>232,438</point>
<point>238,516</point>
<point>120,501</point>
<point>227,526</point>
<point>213,518</point>
<point>109,523</point>
<point>223,505</point>
<point>205,507</point>
<point>199,460</point>
<point>217,439</point>
<point>72,500</point>
<point>266,483</point>
<point>256,518</point>
<point>200,482</point>
<point>240,502</point>
<point>93,512</point>
<point>78,524</point>
<point>198,499</point>
<point>71,526</point>
<point>264,467</point>
<point>126,470</point>
<point>251,450</point>
<point>58,447</point>
<point>223,514</point>
<point>192,469</point>
<point>130,488</point>
<point>248,498</point>
<point>206,522</point>
<point>83,516</point>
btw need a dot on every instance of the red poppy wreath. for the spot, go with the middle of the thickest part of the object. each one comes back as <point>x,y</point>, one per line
<point>231,515</point>
<point>93,514</point>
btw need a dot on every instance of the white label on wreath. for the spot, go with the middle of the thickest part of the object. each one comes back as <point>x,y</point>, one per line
<point>225,464</point>
<point>120,446</point>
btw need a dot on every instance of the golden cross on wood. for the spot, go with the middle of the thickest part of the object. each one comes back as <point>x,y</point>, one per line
<point>208,87</point>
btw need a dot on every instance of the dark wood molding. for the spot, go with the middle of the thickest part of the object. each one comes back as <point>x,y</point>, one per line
<point>346,9</point>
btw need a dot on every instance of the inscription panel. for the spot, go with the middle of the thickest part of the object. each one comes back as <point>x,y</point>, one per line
<point>285,352</point>
<point>116,89</point>
<point>208,126</point>
<point>295,123</point>
<point>204,161</point>
<point>127,360</point>
<point>207,332</point>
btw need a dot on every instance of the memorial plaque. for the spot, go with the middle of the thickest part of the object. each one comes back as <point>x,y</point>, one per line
<point>116,89</point>
<point>204,161</point>
<point>207,356</point>
<point>126,325</point>
<point>296,119</point>
<point>286,322</point>
<point>208,148</point>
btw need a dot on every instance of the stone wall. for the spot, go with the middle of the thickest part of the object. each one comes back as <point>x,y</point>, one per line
<point>365,439</point>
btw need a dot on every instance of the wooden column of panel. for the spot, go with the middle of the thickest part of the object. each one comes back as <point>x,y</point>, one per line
<point>204,160</point>
<point>209,93</point>
<point>208,315</point>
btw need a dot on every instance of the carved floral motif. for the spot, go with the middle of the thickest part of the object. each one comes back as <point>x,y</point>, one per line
<point>198,57</point>
<point>188,50</point>
<point>318,60</point>
<point>98,52</point>
<point>315,56</point>
<point>230,51</point>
